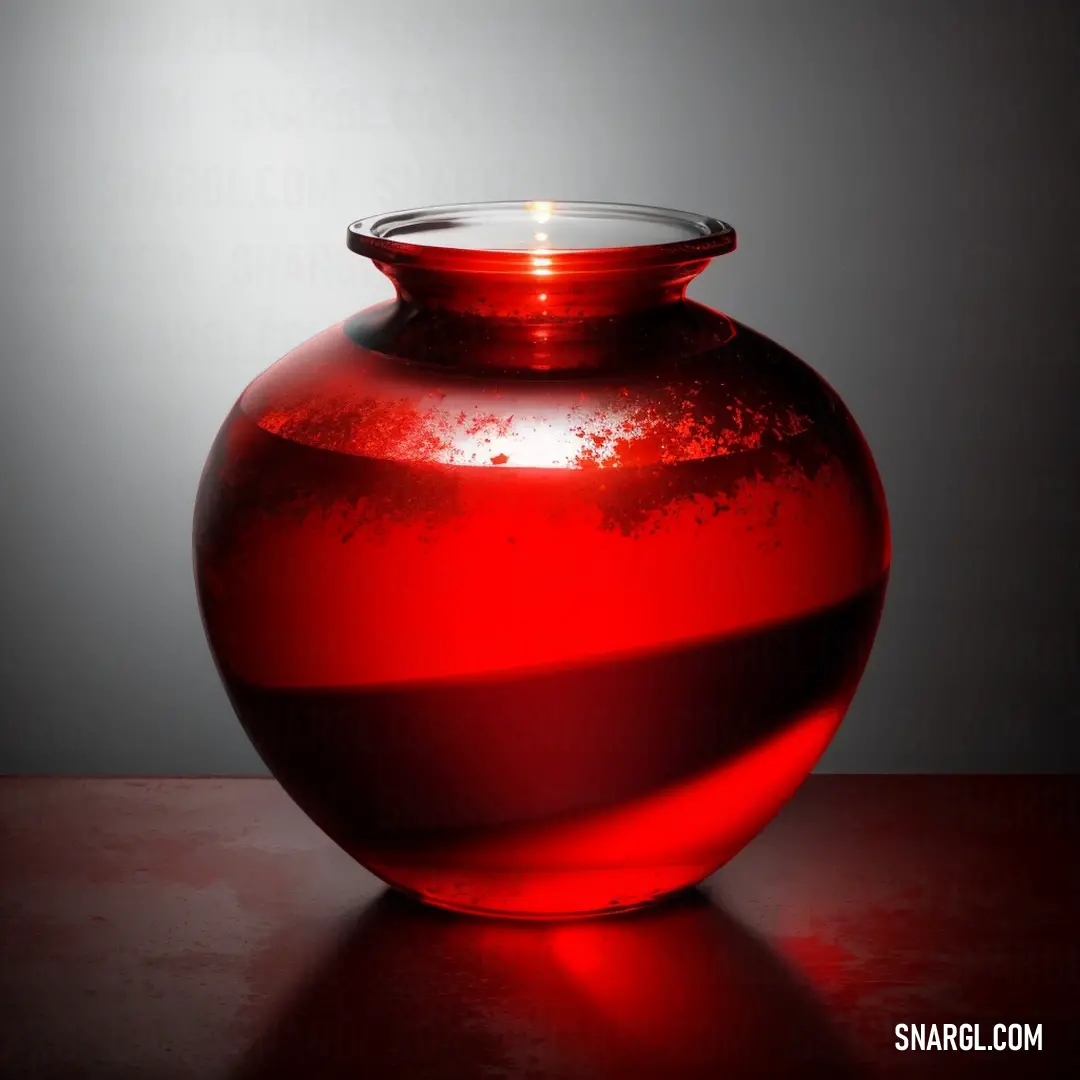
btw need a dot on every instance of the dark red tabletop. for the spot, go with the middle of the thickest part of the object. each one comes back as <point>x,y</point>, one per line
<point>203,928</point>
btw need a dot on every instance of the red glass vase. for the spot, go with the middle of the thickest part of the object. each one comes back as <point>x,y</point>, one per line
<point>540,588</point>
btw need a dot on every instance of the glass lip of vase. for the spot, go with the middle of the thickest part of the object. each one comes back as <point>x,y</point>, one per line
<point>539,237</point>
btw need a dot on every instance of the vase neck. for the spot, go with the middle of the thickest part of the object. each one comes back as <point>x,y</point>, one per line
<point>555,297</point>
<point>541,261</point>
<point>403,330</point>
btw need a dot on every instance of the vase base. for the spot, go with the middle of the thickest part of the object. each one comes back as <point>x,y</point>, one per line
<point>550,897</point>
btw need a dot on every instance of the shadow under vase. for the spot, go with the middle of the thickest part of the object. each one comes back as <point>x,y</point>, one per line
<point>676,990</point>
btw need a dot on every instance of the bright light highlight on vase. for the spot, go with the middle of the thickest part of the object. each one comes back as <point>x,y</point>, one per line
<point>540,603</point>
<point>541,211</point>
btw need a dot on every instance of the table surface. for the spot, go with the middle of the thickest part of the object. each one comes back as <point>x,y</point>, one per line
<point>176,928</point>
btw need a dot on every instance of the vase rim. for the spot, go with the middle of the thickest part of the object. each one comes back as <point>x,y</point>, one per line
<point>540,235</point>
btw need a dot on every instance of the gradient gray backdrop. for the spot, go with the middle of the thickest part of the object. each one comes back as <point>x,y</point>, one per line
<point>176,182</point>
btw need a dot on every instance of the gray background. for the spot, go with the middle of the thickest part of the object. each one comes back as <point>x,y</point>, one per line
<point>176,183</point>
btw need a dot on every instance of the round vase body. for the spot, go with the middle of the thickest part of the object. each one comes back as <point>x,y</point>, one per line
<point>540,588</point>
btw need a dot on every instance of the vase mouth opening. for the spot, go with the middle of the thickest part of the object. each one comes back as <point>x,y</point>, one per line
<point>540,237</point>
